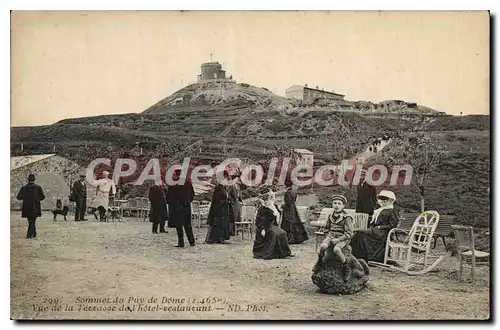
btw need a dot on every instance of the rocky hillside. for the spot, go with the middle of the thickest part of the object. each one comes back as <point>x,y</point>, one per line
<point>230,94</point>
<point>219,94</point>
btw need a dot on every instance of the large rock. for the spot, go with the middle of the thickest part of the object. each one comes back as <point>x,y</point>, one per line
<point>328,273</point>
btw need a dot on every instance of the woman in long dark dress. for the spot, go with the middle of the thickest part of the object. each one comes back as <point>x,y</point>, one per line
<point>234,206</point>
<point>291,222</point>
<point>218,217</point>
<point>369,244</point>
<point>271,241</point>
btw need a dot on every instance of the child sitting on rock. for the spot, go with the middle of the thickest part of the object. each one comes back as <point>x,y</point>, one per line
<point>339,230</point>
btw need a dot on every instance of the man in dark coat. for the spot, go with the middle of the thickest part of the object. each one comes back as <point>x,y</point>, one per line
<point>158,213</point>
<point>31,195</point>
<point>367,196</point>
<point>179,198</point>
<point>79,196</point>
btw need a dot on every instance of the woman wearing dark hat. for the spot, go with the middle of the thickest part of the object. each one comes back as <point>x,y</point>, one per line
<point>271,242</point>
<point>219,215</point>
<point>369,244</point>
<point>292,223</point>
<point>31,195</point>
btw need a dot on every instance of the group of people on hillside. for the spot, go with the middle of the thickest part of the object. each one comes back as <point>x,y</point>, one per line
<point>225,212</point>
<point>177,197</point>
<point>276,228</point>
<point>377,142</point>
<point>32,194</point>
<point>105,188</point>
<point>172,206</point>
<point>272,241</point>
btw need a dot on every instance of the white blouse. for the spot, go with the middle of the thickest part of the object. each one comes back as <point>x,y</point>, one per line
<point>105,185</point>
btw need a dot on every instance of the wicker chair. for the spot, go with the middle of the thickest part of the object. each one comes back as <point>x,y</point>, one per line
<point>415,249</point>
<point>360,221</point>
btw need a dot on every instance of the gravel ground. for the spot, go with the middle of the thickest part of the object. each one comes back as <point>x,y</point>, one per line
<point>92,270</point>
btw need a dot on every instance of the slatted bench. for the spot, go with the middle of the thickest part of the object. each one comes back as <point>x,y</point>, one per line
<point>442,231</point>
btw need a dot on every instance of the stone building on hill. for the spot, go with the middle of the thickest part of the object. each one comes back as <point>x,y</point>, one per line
<point>211,71</point>
<point>309,94</point>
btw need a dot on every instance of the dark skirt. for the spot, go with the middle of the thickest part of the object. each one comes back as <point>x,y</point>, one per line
<point>295,231</point>
<point>274,245</point>
<point>218,233</point>
<point>220,225</point>
<point>369,247</point>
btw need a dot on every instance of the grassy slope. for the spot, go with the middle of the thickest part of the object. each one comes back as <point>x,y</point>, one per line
<point>459,185</point>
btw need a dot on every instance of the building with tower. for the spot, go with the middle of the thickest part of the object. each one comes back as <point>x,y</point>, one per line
<point>212,71</point>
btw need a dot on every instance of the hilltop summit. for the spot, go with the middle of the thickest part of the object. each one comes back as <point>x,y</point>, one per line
<point>214,89</point>
<point>217,92</point>
<point>226,93</point>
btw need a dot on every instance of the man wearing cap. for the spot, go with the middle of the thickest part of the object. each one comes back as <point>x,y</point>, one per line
<point>105,187</point>
<point>79,196</point>
<point>339,229</point>
<point>31,195</point>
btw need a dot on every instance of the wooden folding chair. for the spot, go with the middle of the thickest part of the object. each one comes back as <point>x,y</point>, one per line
<point>247,223</point>
<point>467,253</point>
<point>195,213</point>
<point>145,208</point>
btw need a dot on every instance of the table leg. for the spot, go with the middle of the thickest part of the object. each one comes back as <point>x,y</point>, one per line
<point>444,241</point>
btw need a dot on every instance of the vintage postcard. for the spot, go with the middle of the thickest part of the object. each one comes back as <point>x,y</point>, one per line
<point>237,165</point>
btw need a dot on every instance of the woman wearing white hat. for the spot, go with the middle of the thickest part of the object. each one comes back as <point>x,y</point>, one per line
<point>105,186</point>
<point>369,244</point>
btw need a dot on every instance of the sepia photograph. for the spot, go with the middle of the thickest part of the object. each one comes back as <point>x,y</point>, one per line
<point>250,165</point>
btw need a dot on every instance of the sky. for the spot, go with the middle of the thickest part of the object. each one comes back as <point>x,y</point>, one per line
<point>78,64</point>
